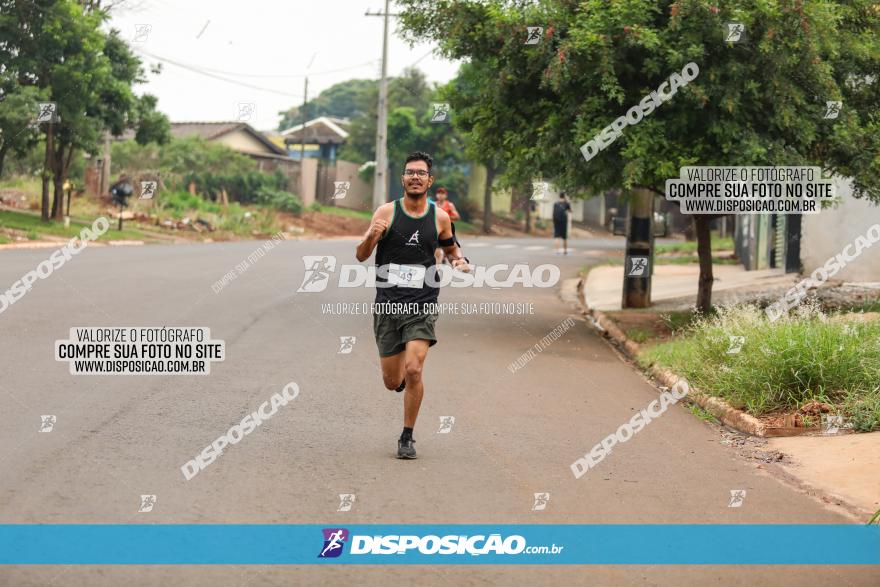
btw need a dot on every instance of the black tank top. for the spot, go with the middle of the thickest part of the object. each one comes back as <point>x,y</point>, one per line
<point>408,241</point>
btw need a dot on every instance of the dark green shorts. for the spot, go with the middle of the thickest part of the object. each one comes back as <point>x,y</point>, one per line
<point>393,331</point>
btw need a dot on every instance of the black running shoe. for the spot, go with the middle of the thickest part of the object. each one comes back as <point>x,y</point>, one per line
<point>401,387</point>
<point>405,448</point>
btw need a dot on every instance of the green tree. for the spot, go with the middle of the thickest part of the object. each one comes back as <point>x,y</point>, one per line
<point>410,91</point>
<point>411,98</point>
<point>17,111</point>
<point>59,48</point>
<point>755,103</point>
<point>343,100</point>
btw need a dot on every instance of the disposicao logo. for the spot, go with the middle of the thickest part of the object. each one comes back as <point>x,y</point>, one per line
<point>334,540</point>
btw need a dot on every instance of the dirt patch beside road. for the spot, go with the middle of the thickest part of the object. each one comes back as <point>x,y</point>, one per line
<point>845,466</point>
<point>330,225</point>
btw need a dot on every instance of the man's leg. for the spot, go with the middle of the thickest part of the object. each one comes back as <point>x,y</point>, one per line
<point>416,352</point>
<point>393,370</point>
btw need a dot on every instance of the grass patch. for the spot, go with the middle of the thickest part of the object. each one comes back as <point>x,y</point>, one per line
<point>638,335</point>
<point>718,244</point>
<point>231,222</point>
<point>346,212</point>
<point>32,186</point>
<point>679,321</point>
<point>465,227</point>
<point>35,228</point>
<point>693,259</point>
<point>862,411</point>
<point>460,225</point>
<point>179,203</point>
<point>781,365</point>
<point>702,414</point>
<point>867,306</point>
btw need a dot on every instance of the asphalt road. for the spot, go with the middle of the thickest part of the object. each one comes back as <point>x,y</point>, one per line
<point>515,434</point>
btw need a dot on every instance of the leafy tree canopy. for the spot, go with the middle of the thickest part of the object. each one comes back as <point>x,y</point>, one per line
<point>760,102</point>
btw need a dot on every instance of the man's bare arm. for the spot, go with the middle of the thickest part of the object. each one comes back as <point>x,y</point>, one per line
<point>378,225</point>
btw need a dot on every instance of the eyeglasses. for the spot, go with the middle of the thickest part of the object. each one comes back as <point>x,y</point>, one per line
<point>419,172</point>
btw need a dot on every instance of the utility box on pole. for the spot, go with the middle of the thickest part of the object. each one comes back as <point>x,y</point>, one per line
<point>639,259</point>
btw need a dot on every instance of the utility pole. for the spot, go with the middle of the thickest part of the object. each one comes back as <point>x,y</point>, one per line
<point>104,186</point>
<point>639,258</point>
<point>380,181</point>
<point>302,135</point>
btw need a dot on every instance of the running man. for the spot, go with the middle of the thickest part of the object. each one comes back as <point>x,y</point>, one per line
<point>561,210</point>
<point>444,203</point>
<point>407,231</point>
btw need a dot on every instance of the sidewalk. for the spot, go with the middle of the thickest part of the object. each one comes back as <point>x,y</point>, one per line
<point>674,287</point>
<point>845,467</point>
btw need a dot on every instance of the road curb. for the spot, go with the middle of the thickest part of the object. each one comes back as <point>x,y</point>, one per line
<point>727,414</point>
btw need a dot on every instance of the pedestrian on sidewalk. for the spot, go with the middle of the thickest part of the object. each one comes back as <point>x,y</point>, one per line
<point>561,212</point>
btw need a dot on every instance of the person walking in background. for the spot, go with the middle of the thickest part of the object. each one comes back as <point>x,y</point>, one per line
<point>561,212</point>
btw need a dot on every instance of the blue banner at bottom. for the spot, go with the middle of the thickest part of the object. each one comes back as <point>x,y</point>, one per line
<point>293,544</point>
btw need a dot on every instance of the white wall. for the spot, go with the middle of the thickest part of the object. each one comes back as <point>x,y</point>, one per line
<point>825,234</point>
<point>360,193</point>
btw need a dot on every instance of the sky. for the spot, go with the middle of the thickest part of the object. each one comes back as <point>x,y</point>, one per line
<point>266,44</point>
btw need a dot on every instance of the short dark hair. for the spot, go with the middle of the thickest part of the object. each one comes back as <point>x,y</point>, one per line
<point>420,156</point>
<point>442,191</point>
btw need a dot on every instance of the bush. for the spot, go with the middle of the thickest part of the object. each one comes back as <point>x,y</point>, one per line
<point>367,171</point>
<point>863,413</point>
<point>315,207</point>
<point>234,218</point>
<point>240,187</point>
<point>782,365</point>
<point>211,166</point>
<point>282,200</point>
<point>180,202</point>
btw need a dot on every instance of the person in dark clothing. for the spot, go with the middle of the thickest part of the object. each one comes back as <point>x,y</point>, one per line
<point>407,231</point>
<point>561,211</point>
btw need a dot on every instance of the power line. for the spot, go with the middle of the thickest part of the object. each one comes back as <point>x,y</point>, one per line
<point>215,76</point>
<point>417,61</point>
<point>269,75</point>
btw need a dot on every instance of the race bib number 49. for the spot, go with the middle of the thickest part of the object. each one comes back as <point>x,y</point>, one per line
<point>406,275</point>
